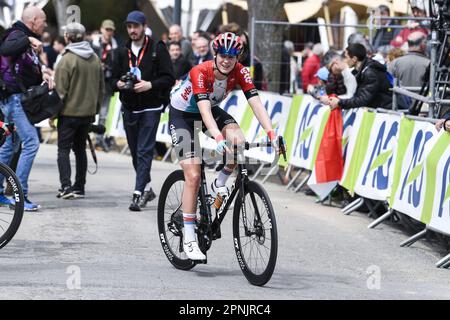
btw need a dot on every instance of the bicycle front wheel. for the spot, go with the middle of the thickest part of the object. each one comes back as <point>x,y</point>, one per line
<point>170,221</point>
<point>10,217</point>
<point>255,234</point>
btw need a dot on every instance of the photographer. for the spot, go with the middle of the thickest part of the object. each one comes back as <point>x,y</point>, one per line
<point>80,84</point>
<point>144,75</point>
<point>20,70</point>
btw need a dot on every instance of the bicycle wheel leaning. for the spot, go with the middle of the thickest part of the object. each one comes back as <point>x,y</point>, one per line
<point>170,221</point>
<point>255,234</point>
<point>10,219</point>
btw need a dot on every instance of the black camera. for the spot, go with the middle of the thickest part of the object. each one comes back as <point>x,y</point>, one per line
<point>130,80</point>
<point>98,129</point>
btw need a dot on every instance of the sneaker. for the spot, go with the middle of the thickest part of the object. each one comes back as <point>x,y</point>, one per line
<point>193,252</point>
<point>78,193</point>
<point>65,193</point>
<point>4,201</point>
<point>134,206</point>
<point>147,197</point>
<point>215,190</point>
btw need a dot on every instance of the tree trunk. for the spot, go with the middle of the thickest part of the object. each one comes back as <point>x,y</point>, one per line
<point>268,38</point>
<point>61,13</point>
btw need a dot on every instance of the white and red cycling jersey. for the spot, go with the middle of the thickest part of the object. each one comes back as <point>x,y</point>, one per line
<point>201,84</point>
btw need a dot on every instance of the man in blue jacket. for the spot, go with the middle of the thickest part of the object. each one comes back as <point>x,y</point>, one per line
<point>20,69</point>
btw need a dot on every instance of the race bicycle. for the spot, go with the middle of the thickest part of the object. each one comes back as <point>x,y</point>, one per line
<point>10,216</point>
<point>255,236</point>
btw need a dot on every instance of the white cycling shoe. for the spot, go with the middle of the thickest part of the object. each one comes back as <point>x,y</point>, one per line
<point>193,252</point>
<point>222,191</point>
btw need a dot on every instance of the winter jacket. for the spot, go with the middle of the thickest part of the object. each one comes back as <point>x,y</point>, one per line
<point>373,87</point>
<point>79,81</point>
<point>158,71</point>
<point>16,52</point>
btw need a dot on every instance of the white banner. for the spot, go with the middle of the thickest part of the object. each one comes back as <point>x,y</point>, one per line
<point>376,175</point>
<point>307,130</point>
<point>415,142</point>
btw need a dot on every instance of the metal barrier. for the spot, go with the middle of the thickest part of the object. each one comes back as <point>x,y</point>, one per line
<point>268,53</point>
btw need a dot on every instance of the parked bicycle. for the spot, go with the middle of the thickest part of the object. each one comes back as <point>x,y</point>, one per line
<point>10,217</point>
<point>255,236</point>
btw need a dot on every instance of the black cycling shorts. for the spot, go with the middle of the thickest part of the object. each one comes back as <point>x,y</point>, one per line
<point>185,127</point>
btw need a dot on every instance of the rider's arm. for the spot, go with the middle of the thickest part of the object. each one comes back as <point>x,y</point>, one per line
<point>262,115</point>
<point>251,93</point>
<point>205,110</point>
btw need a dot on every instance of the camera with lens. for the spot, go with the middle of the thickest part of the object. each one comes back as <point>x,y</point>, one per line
<point>130,80</point>
<point>98,129</point>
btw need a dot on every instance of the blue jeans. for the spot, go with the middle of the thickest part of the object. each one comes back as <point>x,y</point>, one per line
<point>13,112</point>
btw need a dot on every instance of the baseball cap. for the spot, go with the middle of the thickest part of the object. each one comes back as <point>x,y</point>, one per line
<point>136,17</point>
<point>322,74</point>
<point>108,24</point>
<point>75,29</point>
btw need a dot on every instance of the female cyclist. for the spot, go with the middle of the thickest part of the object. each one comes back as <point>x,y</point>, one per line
<point>194,106</point>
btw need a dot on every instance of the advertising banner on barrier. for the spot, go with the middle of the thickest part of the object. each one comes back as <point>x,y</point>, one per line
<point>311,121</point>
<point>414,142</point>
<point>114,124</point>
<point>376,174</point>
<point>356,149</point>
<point>349,120</point>
<point>278,108</point>
<point>436,188</point>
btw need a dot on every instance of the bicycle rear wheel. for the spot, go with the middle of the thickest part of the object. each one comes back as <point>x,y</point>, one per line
<point>10,219</point>
<point>170,221</point>
<point>255,236</point>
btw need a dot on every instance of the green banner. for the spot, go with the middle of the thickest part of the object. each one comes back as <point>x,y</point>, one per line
<point>359,152</point>
<point>289,133</point>
<point>404,138</point>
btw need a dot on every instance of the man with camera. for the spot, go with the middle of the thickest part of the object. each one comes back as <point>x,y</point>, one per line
<point>20,70</point>
<point>80,84</point>
<point>144,75</point>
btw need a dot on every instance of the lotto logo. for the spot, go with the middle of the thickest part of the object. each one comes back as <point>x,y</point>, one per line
<point>186,93</point>
<point>201,81</point>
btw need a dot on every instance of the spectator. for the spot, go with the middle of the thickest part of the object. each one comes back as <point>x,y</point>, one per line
<point>410,68</point>
<point>59,45</point>
<point>311,66</point>
<point>418,11</point>
<point>80,84</point>
<point>341,81</point>
<point>105,46</point>
<point>384,35</point>
<point>203,51</point>
<point>393,54</point>
<point>444,123</point>
<point>176,35</point>
<point>48,51</point>
<point>21,46</point>
<point>143,103</point>
<point>285,68</point>
<point>258,72</point>
<point>373,84</point>
<point>360,38</point>
<point>181,66</point>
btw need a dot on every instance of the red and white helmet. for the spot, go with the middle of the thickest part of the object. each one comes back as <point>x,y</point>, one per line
<point>228,43</point>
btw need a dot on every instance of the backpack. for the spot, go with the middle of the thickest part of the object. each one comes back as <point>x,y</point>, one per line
<point>403,102</point>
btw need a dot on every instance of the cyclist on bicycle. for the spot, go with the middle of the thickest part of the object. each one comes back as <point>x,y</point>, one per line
<point>194,106</point>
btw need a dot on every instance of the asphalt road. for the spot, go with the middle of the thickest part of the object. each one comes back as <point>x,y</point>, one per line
<point>96,249</point>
